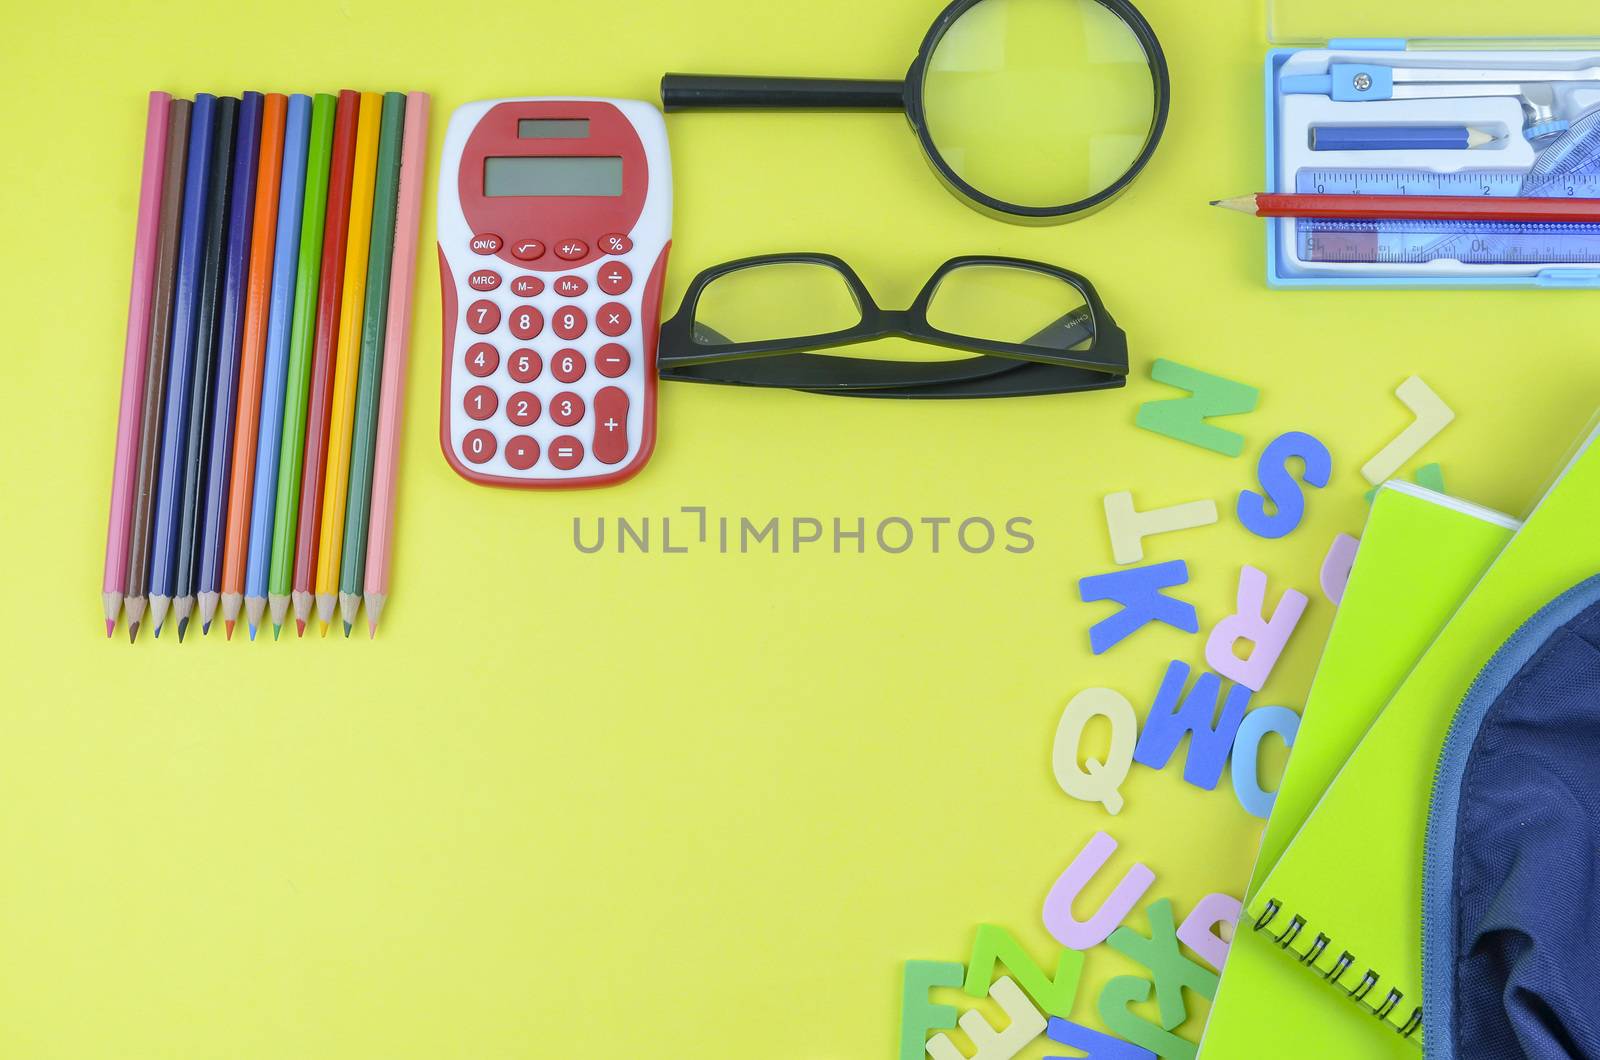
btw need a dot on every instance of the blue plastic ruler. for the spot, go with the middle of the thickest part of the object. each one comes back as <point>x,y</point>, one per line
<point>1416,242</point>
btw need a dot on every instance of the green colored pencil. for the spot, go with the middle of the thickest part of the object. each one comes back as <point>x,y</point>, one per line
<point>358,499</point>
<point>302,331</point>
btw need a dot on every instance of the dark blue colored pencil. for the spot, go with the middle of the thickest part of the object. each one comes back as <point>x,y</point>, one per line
<point>205,363</point>
<point>219,459</point>
<point>180,361</point>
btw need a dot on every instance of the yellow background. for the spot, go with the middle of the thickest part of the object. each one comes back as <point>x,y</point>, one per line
<point>620,806</point>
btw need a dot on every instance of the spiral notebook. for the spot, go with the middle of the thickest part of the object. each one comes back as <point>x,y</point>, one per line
<point>1421,553</point>
<point>1345,899</point>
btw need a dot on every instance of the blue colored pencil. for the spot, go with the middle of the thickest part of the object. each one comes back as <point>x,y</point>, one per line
<point>246,157</point>
<point>186,561</point>
<point>275,373</point>
<point>180,362</point>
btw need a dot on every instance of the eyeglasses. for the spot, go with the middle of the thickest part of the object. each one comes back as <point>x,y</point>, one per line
<point>1032,328</point>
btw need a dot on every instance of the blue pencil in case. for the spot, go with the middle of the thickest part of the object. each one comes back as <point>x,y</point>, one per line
<point>1399,138</point>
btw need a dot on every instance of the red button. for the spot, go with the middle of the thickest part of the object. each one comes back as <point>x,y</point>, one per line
<point>522,408</point>
<point>527,250</point>
<point>610,425</point>
<point>614,277</point>
<point>566,452</point>
<point>571,286</point>
<point>482,359</point>
<point>524,366</point>
<point>484,280</point>
<point>481,402</point>
<point>566,408</point>
<point>526,286</point>
<point>567,366</point>
<point>486,243</point>
<point>572,249</point>
<point>615,243</point>
<point>570,322</point>
<point>613,319</point>
<point>526,322</point>
<point>478,446</point>
<point>612,360</point>
<point>522,452</point>
<point>483,316</point>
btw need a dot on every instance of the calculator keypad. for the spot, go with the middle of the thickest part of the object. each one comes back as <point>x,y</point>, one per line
<point>509,402</point>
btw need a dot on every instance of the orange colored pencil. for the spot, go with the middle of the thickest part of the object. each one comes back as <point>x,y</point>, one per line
<point>248,417</point>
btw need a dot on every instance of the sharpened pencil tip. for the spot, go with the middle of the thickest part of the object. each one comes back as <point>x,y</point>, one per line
<point>228,624</point>
<point>205,629</point>
<point>111,627</point>
<point>133,632</point>
<point>158,631</point>
<point>372,629</point>
<point>1216,202</point>
<point>276,629</point>
<point>252,631</point>
<point>183,627</point>
<point>299,627</point>
<point>347,628</point>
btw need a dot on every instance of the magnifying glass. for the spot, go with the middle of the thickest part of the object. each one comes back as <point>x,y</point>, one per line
<point>1031,111</point>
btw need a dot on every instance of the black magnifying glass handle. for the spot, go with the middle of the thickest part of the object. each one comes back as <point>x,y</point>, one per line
<point>714,91</point>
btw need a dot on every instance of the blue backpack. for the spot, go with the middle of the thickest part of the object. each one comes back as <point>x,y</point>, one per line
<point>1511,877</point>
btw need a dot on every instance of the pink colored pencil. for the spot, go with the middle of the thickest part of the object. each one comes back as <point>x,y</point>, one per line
<point>386,462</point>
<point>133,357</point>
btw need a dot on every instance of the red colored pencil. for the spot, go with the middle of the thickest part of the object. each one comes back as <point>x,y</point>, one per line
<point>1418,207</point>
<point>336,231</point>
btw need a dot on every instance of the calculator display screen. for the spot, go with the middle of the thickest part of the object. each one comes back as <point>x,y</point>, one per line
<point>553,128</point>
<point>545,175</point>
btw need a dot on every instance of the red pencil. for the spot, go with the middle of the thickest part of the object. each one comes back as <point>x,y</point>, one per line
<point>1417,207</point>
<point>336,230</point>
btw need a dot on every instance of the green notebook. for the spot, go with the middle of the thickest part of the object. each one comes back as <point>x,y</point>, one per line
<point>1346,896</point>
<point>1421,553</point>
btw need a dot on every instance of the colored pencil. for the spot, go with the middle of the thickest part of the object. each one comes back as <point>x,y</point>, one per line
<point>236,547</point>
<point>135,354</point>
<point>205,362</point>
<point>386,463</point>
<point>291,450</point>
<point>358,502</point>
<point>286,257</point>
<point>230,327</point>
<point>373,119</point>
<point>319,391</point>
<point>1418,207</point>
<point>155,369</point>
<point>181,358</point>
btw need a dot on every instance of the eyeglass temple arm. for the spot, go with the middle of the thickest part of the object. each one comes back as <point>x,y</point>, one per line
<point>715,91</point>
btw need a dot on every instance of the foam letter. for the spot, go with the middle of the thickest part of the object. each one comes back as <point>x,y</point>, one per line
<point>918,1015</point>
<point>1129,528</point>
<point>1267,637</point>
<point>1336,567</point>
<point>995,945</point>
<point>1172,971</point>
<point>1025,1025</point>
<point>1096,1046</point>
<point>1184,418</point>
<point>1175,714</point>
<point>1247,752</point>
<point>1138,590</point>
<point>1432,416</point>
<point>1127,990</point>
<point>1085,934</point>
<point>1197,931</point>
<point>1282,489</point>
<point>1095,781</point>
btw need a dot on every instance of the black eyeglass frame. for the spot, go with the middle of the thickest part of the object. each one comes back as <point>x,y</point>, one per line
<point>1107,353</point>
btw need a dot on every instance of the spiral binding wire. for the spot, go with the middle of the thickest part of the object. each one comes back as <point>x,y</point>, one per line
<point>1335,972</point>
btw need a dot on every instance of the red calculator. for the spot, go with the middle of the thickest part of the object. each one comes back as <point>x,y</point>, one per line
<point>555,217</point>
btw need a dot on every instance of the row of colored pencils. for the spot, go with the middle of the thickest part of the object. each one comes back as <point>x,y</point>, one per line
<point>263,376</point>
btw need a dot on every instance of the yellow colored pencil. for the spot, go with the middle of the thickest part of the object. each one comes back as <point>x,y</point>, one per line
<point>347,358</point>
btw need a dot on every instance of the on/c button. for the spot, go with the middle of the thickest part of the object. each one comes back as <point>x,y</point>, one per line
<point>610,425</point>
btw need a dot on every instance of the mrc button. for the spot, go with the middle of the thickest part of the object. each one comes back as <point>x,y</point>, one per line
<point>484,280</point>
<point>486,243</point>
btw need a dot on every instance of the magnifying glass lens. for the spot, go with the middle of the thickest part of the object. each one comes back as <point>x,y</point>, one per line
<point>1039,102</point>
